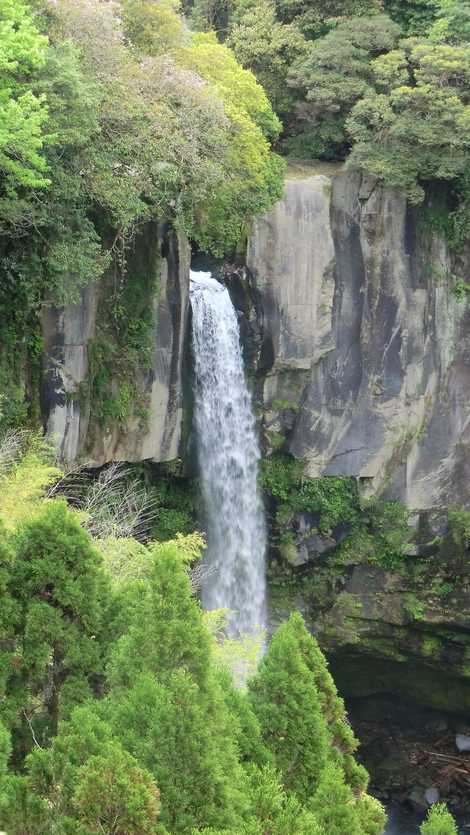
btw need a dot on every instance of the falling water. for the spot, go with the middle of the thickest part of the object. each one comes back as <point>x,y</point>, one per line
<point>228,456</point>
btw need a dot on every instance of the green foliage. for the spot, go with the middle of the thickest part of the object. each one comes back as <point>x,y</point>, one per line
<point>167,631</point>
<point>304,725</point>
<point>388,526</point>
<point>414,17</point>
<point>341,737</point>
<point>452,21</point>
<point>337,72</point>
<point>26,472</point>
<point>414,607</point>
<point>457,540</point>
<point>268,47</point>
<point>371,813</point>
<point>168,708</point>
<point>280,475</point>
<point>182,735</point>
<point>419,110</point>
<point>461,290</point>
<point>95,786</point>
<point>150,735</point>
<point>334,499</point>
<point>100,134</point>
<point>285,700</point>
<point>113,794</point>
<point>120,355</point>
<point>377,530</point>
<point>316,18</point>
<point>333,804</point>
<point>177,506</point>
<point>59,593</point>
<point>255,176</point>
<point>439,822</point>
<point>153,27</point>
<point>23,115</point>
<point>277,811</point>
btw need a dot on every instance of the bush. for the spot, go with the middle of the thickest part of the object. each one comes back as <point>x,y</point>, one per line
<point>439,822</point>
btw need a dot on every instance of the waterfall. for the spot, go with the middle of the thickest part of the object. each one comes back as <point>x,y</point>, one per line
<point>228,456</point>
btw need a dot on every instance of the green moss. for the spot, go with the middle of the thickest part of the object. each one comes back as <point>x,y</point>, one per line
<point>275,440</point>
<point>120,355</point>
<point>334,499</point>
<point>287,548</point>
<point>459,527</point>
<point>386,522</point>
<point>431,647</point>
<point>358,676</point>
<point>382,647</point>
<point>414,607</point>
<point>285,406</point>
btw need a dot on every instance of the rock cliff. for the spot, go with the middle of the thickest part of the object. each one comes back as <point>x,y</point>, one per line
<point>370,346</point>
<point>359,346</point>
<point>68,335</point>
<point>364,372</point>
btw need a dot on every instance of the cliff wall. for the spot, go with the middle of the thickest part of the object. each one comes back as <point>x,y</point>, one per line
<point>370,345</point>
<point>69,335</point>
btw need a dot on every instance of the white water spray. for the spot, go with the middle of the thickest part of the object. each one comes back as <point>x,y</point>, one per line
<point>228,456</point>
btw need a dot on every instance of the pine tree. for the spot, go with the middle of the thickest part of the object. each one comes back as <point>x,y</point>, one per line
<point>251,747</point>
<point>342,737</point>
<point>166,630</point>
<point>439,822</point>
<point>276,811</point>
<point>371,814</point>
<point>113,795</point>
<point>8,622</point>
<point>285,699</point>
<point>85,783</point>
<point>333,804</point>
<point>57,585</point>
<point>167,707</point>
<point>184,738</point>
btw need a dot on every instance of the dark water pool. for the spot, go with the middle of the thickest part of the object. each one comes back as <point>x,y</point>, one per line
<point>404,822</point>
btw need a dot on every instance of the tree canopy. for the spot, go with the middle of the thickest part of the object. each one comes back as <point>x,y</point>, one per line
<point>119,714</point>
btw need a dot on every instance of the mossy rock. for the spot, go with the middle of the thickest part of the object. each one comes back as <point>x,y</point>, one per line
<point>361,676</point>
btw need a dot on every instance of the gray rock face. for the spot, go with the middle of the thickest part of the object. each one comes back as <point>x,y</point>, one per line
<point>67,334</point>
<point>432,795</point>
<point>367,339</point>
<point>462,742</point>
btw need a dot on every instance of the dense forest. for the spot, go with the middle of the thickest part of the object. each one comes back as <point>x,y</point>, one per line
<point>116,114</point>
<point>124,707</point>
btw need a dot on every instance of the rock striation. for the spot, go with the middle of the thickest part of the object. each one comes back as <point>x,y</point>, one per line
<point>68,334</point>
<point>369,344</point>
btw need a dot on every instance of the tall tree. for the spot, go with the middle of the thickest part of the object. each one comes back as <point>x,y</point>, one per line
<point>286,701</point>
<point>403,131</point>
<point>342,740</point>
<point>60,591</point>
<point>336,73</point>
<point>167,708</point>
<point>84,783</point>
<point>23,114</point>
